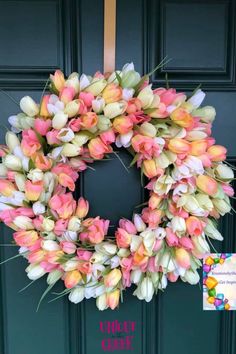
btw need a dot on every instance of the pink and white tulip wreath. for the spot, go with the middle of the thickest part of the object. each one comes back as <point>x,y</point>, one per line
<point>78,122</point>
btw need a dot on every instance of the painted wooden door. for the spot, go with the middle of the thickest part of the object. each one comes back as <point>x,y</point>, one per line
<point>38,36</point>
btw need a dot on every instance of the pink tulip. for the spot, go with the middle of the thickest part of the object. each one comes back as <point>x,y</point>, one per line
<point>87,98</point>
<point>151,217</point>
<point>84,255</point>
<point>36,256</point>
<point>64,205</point>
<point>207,184</point>
<point>95,230</point>
<point>134,105</point>
<point>42,126</point>
<point>171,238</point>
<point>194,226</point>
<point>228,189</point>
<point>172,277</point>
<point>85,267</point>
<point>186,243</point>
<point>6,188</point>
<point>146,146</point>
<point>217,153</point>
<point>52,137</point>
<point>68,247</point>
<point>182,258</point>
<point>123,238</point>
<point>60,226</point>
<point>72,278</point>
<point>128,226</point>
<point>67,94</point>
<point>29,142</point>
<point>108,137</point>
<point>75,124</point>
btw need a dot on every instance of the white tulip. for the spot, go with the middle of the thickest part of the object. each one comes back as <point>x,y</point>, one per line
<point>124,139</point>
<point>136,276</point>
<point>13,162</point>
<point>207,114</point>
<point>20,181</point>
<point>23,222</point>
<point>65,135</point>
<point>48,224</point>
<point>72,108</point>
<point>178,224</point>
<point>191,276</point>
<point>101,302</point>
<point>28,106</point>
<point>81,138</point>
<point>38,208</point>
<point>114,109</point>
<point>139,223</point>
<point>70,150</point>
<point>54,276</point>
<point>148,129</point>
<point>74,224</point>
<point>50,245</point>
<point>197,99</point>
<point>59,120</point>
<point>72,264</point>
<point>35,175</point>
<point>3,170</point>
<point>12,141</point>
<point>76,295</point>
<point>224,171</point>
<point>35,272</point>
<point>146,96</point>
<point>96,86</point>
<point>147,289</point>
<point>211,231</point>
<point>98,104</point>
<point>106,248</point>
<point>127,93</point>
<point>73,81</point>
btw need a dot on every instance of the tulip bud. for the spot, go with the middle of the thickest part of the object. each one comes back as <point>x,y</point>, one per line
<point>113,299</point>
<point>28,106</point>
<point>112,93</point>
<point>150,169</point>
<point>59,120</point>
<point>178,224</point>
<point>182,118</point>
<point>73,81</point>
<point>191,276</point>
<point>207,184</point>
<point>3,170</point>
<point>101,302</point>
<point>148,129</point>
<point>82,208</point>
<point>222,206</point>
<point>207,114</point>
<point>48,224</point>
<point>197,99</point>
<point>38,208</point>
<point>12,162</point>
<point>23,222</point>
<point>211,231</point>
<point>72,108</point>
<point>35,272</point>
<point>114,109</point>
<point>182,257</point>
<point>12,141</point>
<point>112,278</point>
<point>136,276</point>
<point>139,223</point>
<point>106,248</point>
<point>147,289</point>
<point>35,175</point>
<point>96,86</point>
<point>70,150</point>
<point>81,138</point>
<point>130,79</point>
<point>146,96</point>
<point>104,123</point>
<point>224,171</point>
<point>65,135</point>
<point>98,104</point>
<point>54,276</point>
<point>58,80</point>
<point>74,224</point>
<point>72,278</point>
<point>76,295</point>
<point>20,181</point>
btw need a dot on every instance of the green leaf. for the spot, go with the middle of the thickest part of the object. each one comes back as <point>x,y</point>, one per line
<point>44,294</point>
<point>42,141</point>
<point>133,162</point>
<point>118,78</point>
<point>31,164</point>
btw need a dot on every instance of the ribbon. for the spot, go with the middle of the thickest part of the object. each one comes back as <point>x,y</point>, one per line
<point>109,35</point>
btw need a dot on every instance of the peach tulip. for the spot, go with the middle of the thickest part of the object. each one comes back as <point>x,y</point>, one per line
<point>150,168</point>
<point>82,208</point>
<point>182,258</point>
<point>33,190</point>
<point>198,147</point>
<point>112,278</point>
<point>123,238</point>
<point>25,238</point>
<point>179,146</point>
<point>29,143</point>
<point>194,226</point>
<point>6,188</point>
<point>112,93</point>
<point>72,278</point>
<point>98,149</point>
<point>182,118</point>
<point>67,94</point>
<point>123,124</point>
<point>58,80</point>
<point>89,120</point>
<point>217,153</point>
<point>43,106</point>
<point>113,299</point>
<point>207,184</point>
<point>64,205</point>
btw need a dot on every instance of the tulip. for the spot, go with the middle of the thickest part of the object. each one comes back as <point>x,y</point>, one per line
<point>106,248</point>
<point>198,147</point>
<point>23,222</point>
<point>139,224</point>
<point>72,278</point>
<point>98,104</point>
<point>123,124</point>
<point>191,276</point>
<point>225,172</point>
<point>59,120</point>
<point>194,226</point>
<point>179,146</point>
<point>12,162</point>
<point>211,231</point>
<point>76,295</point>
<point>72,108</point>
<point>148,129</point>
<point>178,224</point>
<point>146,96</point>
<point>28,106</point>
<point>146,289</point>
<point>150,169</point>
<point>113,299</point>
<point>35,271</point>
<point>96,86</point>
<point>65,135</point>
<point>67,94</point>
<point>200,246</point>
<point>42,126</point>
<point>166,261</point>
<point>81,138</point>
<point>36,256</point>
<point>35,175</point>
<point>58,80</point>
<point>25,238</point>
<point>89,120</point>
<point>12,141</point>
<point>130,79</point>
<point>6,188</point>
<point>112,110</point>
<point>54,276</point>
<point>182,118</point>
<point>207,184</point>
<point>123,238</point>
<point>182,258</point>
<point>44,107</point>
<point>70,150</point>
<point>50,245</point>
<point>48,224</point>
<point>112,93</point>
<point>197,99</point>
<point>73,81</point>
<point>101,302</point>
<point>207,114</point>
<point>33,190</point>
<point>98,149</point>
<point>82,208</point>
<point>38,208</point>
<point>3,170</point>
<point>217,153</point>
<point>74,223</point>
<point>154,201</point>
<point>222,206</point>
<point>112,278</point>
<point>104,123</point>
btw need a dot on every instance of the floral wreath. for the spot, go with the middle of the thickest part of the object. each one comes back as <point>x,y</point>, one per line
<point>77,122</point>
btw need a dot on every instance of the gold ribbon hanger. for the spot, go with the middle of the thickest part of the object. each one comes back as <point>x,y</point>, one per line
<point>109,35</point>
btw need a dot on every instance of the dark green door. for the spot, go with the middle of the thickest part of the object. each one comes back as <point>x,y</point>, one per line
<point>38,36</point>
